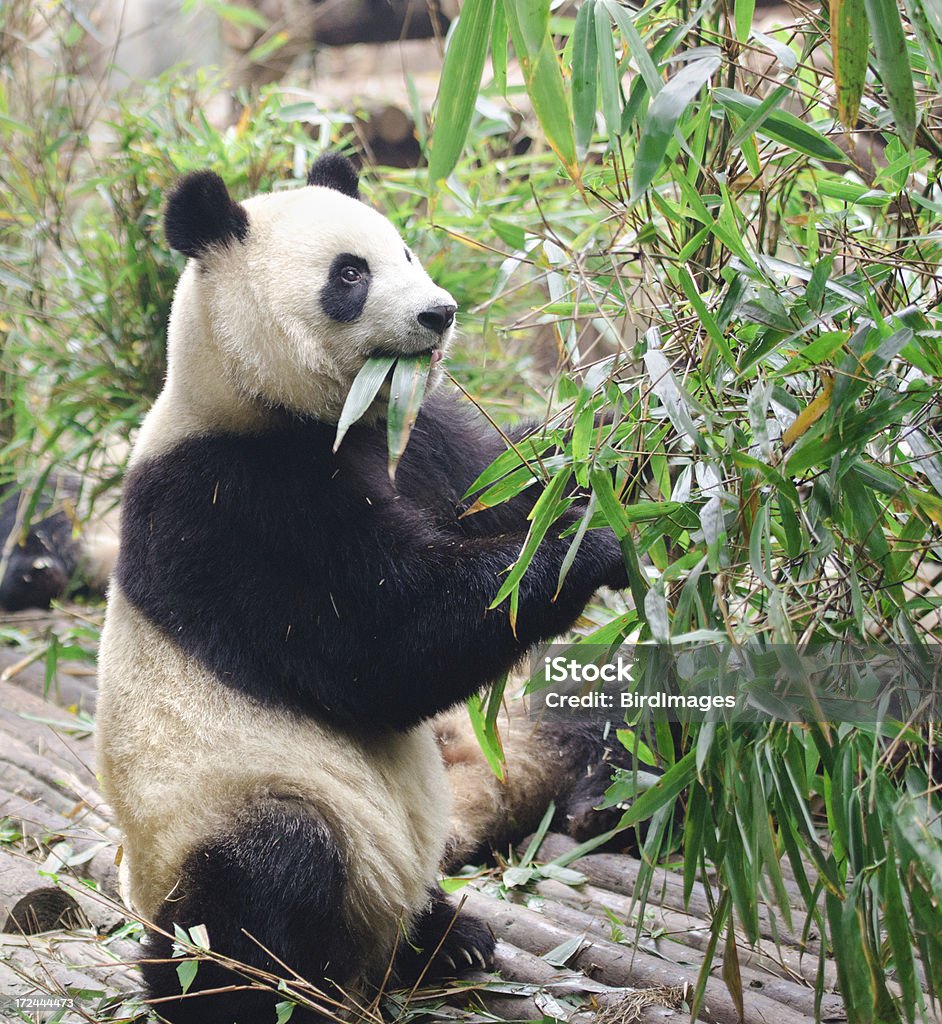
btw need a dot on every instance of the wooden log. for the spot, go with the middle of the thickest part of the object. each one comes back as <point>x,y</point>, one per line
<point>797,996</point>
<point>691,931</point>
<point>46,965</point>
<point>515,964</point>
<point>31,904</point>
<point>621,966</point>
<point>72,688</point>
<point>619,873</point>
<point>48,789</point>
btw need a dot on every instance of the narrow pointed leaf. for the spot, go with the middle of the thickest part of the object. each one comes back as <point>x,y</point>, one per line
<point>405,396</point>
<point>533,19</point>
<point>458,89</point>
<point>744,11</point>
<point>927,38</point>
<point>608,72</point>
<point>780,126</point>
<point>543,77</point>
<point>933,13</point>
<point>585,73</point>
<point>364,389</point>
<point>639,51</point>
<point>544,514</point>
<point>850,42</point>
<point>889,44</point>
<point>663,114</point>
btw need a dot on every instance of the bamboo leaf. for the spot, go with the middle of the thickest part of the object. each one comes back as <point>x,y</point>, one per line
<point>458,88</point>
<point>485,731</point>
<point>932,10</point>
<point>543,77</point>
<point>639,51</point>
<point>743,13</point>
<point>360,397</point>
<point>663,114</point>
<point>850,42</point>
<point>889,44</point>
<point>575,545</point>
<point>780,126</point>
<point>405,396</point>
<point>533,19</point>
<point>661,793</point>
<point>585,73</point>
<point>499,44</point>
<point>545,512</point>
<point>608,72</point>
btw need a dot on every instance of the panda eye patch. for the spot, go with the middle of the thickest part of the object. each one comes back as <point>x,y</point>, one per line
<point>343,295</point>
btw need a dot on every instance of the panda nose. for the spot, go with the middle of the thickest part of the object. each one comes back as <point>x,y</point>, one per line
<point>438,318</point>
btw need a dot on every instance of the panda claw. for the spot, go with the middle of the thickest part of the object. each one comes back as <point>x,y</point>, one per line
<point>467,957</point>
<point>480,959</point>
<point>448,960</point>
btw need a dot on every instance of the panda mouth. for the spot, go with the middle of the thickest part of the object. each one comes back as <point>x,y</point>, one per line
<point>436,355</point>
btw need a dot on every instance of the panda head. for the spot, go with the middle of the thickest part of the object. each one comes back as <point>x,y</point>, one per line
<point>288,294</point>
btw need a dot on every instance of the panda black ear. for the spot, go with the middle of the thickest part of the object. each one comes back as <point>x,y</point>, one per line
<point>331,170</point>
<point>201,213</point>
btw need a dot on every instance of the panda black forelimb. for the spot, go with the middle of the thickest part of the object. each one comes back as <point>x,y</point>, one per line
<point>306,580</point>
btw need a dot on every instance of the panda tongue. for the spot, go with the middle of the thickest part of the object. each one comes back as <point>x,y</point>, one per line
<point>437,356</point>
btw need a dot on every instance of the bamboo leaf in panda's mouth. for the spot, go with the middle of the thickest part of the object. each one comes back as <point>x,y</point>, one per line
<point>362,392</point>
<point>410,378</point>
<point>409,381</point>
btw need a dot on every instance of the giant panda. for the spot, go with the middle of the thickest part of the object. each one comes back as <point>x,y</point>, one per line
<point>63,547</point>
<point>284,621</point>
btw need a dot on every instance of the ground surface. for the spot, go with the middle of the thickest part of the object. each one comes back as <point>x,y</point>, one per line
<point>570,946</point>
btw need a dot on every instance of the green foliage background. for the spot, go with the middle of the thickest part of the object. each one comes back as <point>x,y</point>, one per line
<point>728,242</point>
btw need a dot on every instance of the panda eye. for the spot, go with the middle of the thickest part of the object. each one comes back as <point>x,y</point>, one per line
<point>350,275</point>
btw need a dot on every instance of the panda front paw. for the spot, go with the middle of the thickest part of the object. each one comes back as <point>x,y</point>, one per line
<point>444,942</point>
<point>468,946</point>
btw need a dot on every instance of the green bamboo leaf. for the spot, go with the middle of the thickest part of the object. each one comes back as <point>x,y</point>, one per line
<point>889,44</point>
<point>458,88</point>
<point>543,77</point>
<point>186,973</point>
<point>506,488</point>
<point>405,396</point>
<point>484,723</point>
<point>544,514</point>
<point>933,12</point>
<point>525,452</point>
<point>743,13</point>
<point>533,19</point>
<point>608,72</point>
<point>663,792</point>
<point>236,15</point>
<point>927,37</point>
<point>898,927</point>
<point>780,126</point>
<point>575,545</point>
<point>585,73</point>
<point>705,316</point>
<point>499,42</point>
<point>751,124</point>
<point>850,42</point>
<point>360,397</point>
<point>639,51</point>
